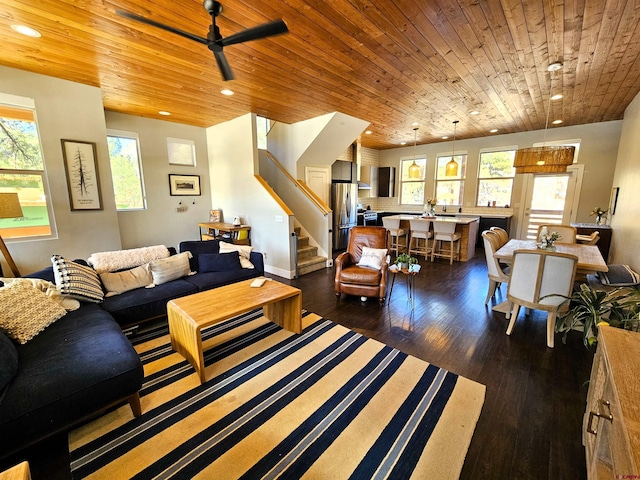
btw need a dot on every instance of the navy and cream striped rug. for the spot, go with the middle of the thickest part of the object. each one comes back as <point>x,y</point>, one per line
<point>326,404</point>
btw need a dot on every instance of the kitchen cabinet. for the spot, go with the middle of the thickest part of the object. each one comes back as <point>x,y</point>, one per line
<point>344,172</point>
<point>486,222</point>
<point>380,181</point>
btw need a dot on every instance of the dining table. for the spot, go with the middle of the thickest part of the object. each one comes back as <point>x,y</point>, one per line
<point>590,259</point>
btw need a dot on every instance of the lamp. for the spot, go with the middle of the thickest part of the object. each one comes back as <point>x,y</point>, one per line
<point>451,170</point>
<point>544,159</point>
<point>414,169</point>
<point>9,208</point>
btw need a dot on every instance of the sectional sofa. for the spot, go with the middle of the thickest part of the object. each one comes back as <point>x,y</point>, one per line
<point>83,364</point>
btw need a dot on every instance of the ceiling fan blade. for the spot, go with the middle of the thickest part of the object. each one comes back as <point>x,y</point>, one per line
<point>261,31</point>
<point>153,23</point>
<point>223,65</point>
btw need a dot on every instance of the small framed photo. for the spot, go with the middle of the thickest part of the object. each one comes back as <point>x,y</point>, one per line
<point>215,216</point>
<point>83,181</point>
<point>184,185</point>
<point>181,152</point>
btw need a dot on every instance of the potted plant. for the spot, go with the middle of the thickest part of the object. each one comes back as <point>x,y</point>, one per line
<point>590,308</point>
<point>404,260</point>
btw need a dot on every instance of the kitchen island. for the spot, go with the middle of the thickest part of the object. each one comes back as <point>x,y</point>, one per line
<point>466,225</point>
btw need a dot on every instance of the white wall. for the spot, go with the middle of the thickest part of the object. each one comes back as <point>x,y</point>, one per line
<point>160,223</point>
<point>626,229</point>
<point>233,155</point>
<point>65,110</point>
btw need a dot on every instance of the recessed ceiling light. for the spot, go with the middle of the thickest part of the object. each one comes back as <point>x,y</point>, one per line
<point>554,66</point>
<point>368,132</point>
<point>227,92</point>
<point>493,130</point>
<point>557,122</point>
<point>28,31</point>
<point>475,112</point>
<point>162,112</point>
<point>557,96</point>
<point>445,137</point>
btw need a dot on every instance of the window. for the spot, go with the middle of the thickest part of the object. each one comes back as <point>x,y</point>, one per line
<point>22,170</point>
<point>262,129</point>
<point>126,170</point>
<point>495,178</point>
<point>412,189</point>
<point>450,189</point>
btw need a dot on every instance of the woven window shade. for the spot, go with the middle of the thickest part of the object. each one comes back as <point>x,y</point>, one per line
<point>548,159</point>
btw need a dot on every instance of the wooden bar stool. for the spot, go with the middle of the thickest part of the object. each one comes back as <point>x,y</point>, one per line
<point>419,237</point>
<point>396,233</point>
<point>445,232</point>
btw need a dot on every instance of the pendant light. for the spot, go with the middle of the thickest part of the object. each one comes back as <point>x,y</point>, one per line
<point>414,169</point>
<point>451,170</point>
<point>545,159</point>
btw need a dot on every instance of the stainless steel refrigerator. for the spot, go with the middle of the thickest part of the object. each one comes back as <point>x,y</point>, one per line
<point>345,215</point>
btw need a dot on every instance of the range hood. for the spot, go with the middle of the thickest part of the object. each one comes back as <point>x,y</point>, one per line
<point>363,185</point>
<point>380,181</point>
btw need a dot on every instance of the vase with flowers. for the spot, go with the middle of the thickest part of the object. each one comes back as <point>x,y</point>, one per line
<point>547,240</point>
<point>599,214</point>
<point>431,205</point>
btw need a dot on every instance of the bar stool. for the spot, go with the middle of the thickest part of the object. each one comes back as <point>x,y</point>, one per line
<point>419,233</point>
<point>445,232</point>
<point>396,233</point>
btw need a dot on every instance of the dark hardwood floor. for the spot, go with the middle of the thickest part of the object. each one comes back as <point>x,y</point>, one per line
<point>531,421</point>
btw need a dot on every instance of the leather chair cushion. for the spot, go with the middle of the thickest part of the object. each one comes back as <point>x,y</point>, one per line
<point>360,275</point>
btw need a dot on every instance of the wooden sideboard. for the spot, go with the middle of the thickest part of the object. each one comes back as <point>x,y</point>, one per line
<point>611,426</point>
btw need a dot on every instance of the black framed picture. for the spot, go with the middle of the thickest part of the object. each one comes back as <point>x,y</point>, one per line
<point>83,181</point>
<point>184,185</point>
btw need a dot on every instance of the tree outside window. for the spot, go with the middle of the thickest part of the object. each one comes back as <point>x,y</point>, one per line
<point>412,189</point>
<point>495,178</point>
<point>450,189</point>
<point>126,171</point>
<point>22,172</point>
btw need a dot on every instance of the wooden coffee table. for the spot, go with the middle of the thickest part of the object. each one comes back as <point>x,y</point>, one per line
<point>282,304</point>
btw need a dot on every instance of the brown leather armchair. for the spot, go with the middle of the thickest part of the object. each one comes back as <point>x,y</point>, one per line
<point>362,281</point>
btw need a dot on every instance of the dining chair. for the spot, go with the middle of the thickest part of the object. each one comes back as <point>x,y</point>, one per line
<point>503,235</point>
<point>541,280</point>
<point>567,232</point>
<point>588,239</point>
<point>497,273</point>
<point>396,234</point>
<point>419,237</point>
<point>445,232</point>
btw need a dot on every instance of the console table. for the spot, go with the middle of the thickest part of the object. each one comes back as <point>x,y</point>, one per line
<point>611,426</point>
<point>238,234</point>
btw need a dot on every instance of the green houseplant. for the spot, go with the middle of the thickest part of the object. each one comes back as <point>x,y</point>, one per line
<point>404,260</point>
<point>590,308</point>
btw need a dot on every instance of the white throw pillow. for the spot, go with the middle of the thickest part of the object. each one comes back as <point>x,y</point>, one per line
<point>243,250</point>
<point>372,257</point>
<point>172,268</point>
<point>25,311</point>
<point>120,282</point>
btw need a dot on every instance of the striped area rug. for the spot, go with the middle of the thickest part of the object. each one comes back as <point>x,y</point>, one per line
<point>326,404</point>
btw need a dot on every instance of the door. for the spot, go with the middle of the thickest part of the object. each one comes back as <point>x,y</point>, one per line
<point>550,199</point>
<point>318,180</point>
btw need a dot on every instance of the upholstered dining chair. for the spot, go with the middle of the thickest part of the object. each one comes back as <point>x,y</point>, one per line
<point>396,234</point>
<point>497,273</point>
<point>567,232</point>
<point>354,275</point>
<point>541,280</point>
<point>419,237</point>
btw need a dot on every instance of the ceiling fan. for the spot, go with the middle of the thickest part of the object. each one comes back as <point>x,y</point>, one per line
<point>214,41</point>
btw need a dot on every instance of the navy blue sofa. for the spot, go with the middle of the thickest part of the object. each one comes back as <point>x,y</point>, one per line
<point>83,363</point>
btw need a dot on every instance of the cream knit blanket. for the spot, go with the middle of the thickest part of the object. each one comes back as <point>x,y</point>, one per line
<point>104,262</point>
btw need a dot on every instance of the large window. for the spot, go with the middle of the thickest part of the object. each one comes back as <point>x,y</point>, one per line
<point>22,170</point>
<point>412,187</point>
<point>126,170</point>
<point>450,189</point>
<point>495,178</point>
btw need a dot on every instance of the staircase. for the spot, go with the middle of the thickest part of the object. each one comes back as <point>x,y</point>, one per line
<point>308,260</point>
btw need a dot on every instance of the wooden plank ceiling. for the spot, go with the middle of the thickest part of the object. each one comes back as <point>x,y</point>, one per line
<point>387,62</point>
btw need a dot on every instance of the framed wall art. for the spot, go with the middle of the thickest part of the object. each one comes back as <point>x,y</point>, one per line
<point>613,202</point>
<point>83,181</point>
<point>184,185</point>
<point>181,151</point>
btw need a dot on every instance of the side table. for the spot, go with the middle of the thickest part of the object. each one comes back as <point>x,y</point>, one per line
<point>410,275</point>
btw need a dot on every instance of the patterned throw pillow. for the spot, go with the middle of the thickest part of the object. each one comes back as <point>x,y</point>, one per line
<point>25,311</point>
<point>172,268</point>
<point>77,280</point>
